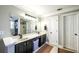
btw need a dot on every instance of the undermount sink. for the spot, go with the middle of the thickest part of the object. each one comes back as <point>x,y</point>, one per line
<point>23,38</point>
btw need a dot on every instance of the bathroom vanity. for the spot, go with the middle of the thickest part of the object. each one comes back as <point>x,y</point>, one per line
<point>27,44</point>
<point>30,42</point>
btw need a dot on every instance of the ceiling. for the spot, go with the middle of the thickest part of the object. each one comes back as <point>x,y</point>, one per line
<point>45,9</point>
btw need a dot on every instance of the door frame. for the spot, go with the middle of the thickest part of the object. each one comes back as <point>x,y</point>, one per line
<point>62,17</point>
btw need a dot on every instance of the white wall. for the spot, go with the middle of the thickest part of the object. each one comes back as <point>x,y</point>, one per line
<point>5,12</point>
<point>44,22</point>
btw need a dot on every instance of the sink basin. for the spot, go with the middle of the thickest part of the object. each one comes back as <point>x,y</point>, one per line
<point>23,38</point>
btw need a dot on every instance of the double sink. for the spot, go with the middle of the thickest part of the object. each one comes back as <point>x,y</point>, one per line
<point>26,37</point>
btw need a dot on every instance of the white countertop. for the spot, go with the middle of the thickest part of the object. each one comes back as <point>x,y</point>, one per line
<point>15,39</point>
<point>27,37</point>
<point>8,41</point>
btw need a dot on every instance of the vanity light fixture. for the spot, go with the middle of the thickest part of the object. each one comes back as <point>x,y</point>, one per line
<point>30,17</point>
<point>59,9</point>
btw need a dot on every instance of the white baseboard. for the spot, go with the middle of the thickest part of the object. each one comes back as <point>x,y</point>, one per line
<point>60,46</point>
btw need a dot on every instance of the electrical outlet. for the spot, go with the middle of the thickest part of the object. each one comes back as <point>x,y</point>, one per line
<point>1,33</point>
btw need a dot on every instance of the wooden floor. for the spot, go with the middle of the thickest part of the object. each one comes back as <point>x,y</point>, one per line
<point>60,50</point>
<point>45,49</point>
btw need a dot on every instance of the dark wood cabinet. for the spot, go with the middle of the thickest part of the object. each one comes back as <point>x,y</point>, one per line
<point>28,46</point>
<point>24,47</point>
<point>42,40</point>
<point>19,48</point>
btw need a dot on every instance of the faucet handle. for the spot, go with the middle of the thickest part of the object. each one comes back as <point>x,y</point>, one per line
<point>20,36</point>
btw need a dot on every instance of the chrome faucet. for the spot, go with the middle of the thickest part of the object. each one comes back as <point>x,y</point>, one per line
<point>20,36</point>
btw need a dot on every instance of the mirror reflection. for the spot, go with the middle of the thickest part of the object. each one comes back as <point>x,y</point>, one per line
<point>14,25</point>
<point>23,25</point>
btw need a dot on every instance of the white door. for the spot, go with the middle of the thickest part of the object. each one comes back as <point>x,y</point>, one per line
<point>53,30</point>
<point>68,31</point>
<point>71,31</point>
<point>77,33</point>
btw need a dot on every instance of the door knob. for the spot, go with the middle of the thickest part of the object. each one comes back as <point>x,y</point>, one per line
<point>75,33</point>
<point>50,32</point>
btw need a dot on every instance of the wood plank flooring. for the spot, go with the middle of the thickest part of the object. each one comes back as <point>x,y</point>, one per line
<point>45,49</point>
<point>61,50</point>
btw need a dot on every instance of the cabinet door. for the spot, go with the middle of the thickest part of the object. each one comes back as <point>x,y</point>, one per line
<point>39,41</point>
<point>24,46</point>
<point>29,47</point>
<point>19,48</point>
<point>16,48</point>
<point>42,40</point>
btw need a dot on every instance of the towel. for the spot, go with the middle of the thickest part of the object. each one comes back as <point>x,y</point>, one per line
<point>35,43</point>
